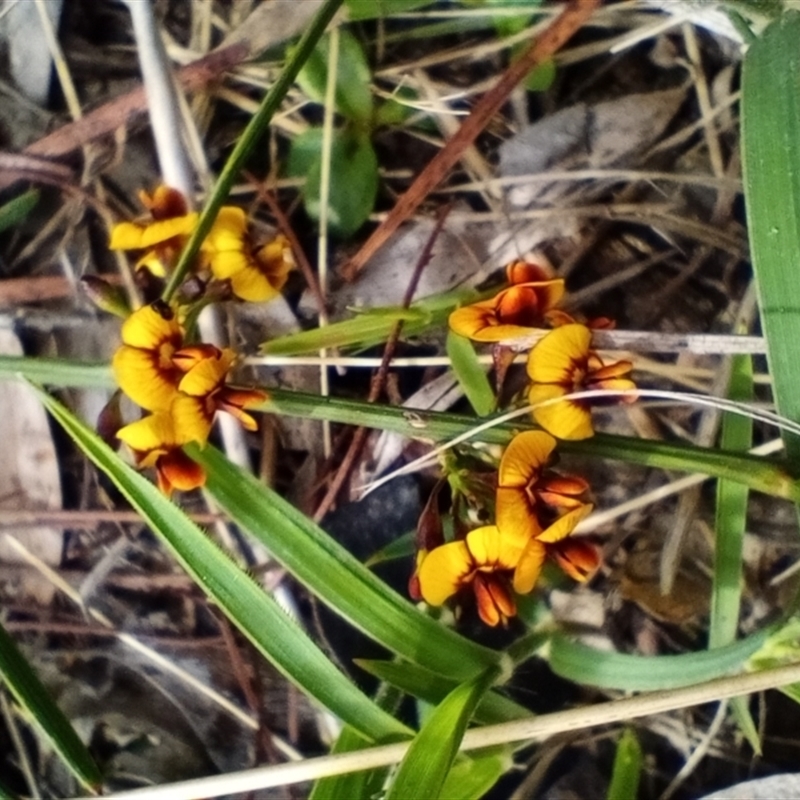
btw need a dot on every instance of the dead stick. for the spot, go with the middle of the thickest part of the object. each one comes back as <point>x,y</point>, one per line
<point>379,379</point>
<point>551,40</point>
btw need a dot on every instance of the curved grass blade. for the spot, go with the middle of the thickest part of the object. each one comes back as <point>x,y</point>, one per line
<point>254,612</point>
<point>770,110</point>
<point>335,576</point>
<point>471,777</point>
<point>424,768</point>
<point>583,664</point>
<point>432,688</point>
<point>31,694</point>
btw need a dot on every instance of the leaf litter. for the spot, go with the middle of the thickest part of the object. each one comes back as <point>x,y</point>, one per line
<point>658,253</point>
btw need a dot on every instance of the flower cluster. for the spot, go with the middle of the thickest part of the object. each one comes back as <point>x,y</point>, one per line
<point>254,273</point>
<point>182,383</point>
<point>561,363</point>
<point>535,513</point>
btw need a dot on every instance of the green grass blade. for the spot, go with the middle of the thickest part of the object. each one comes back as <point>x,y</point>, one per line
<point>432,688</point>
<point>731,516</point>
<point>249,138</point>
<point>362,785</point>
<point>254,612</point>
<point>583,664</point>
<point>763,474</point>
<point>770,109</point>
<point>58,372</point>
<point>424,768</point>
<point>14,211</point>
<point>30,693</point>
<point>471,777</point>
<point>335,576</point>
<point>627,768</point>
<point>470,374</point>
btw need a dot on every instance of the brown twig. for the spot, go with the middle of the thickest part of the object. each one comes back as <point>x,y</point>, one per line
<point>544,46</point>
<point>379,379</point>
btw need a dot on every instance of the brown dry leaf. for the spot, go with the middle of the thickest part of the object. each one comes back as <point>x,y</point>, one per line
<point>29,478</point>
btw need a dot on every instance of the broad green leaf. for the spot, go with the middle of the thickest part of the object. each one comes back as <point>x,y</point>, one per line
<point>279,638</point>
<point>31,694</point>
<point>471,374</point>
<point>369,9</point>
<point>14,211</point>
<point>337,578</point>
<point>770,110</point>
<point>353,77</point>
<point>432,688</point>
<point>583,664</point>
<point>627,768</point>
<point>354,177</point>
<point>363,785</point>
<point>424,768</point>
<point>471,777</point>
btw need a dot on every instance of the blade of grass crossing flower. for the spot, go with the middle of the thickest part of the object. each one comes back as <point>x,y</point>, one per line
<point>770,109</point>
<point>254,612</point>
<point>362,785</point>
<point>334,575</point>
<point>426,685</point>
<point>762,474</point>
<point>583,664</point>
<point>470,374</point>
<point>627,769</point>
<point>731,520</point>
<point>424,769</point>
<point>249,138</point>
<point>31,694</point>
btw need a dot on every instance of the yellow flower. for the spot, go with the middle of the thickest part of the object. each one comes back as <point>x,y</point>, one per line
<point>164,237</point>
<point>561,363</point>
<point>512,312</point>
<point>206,369</point>
<point>143,366</point>
<point>547,543</point>
<point>523,488</point>
<point>156,441</point>
<point>528,271</point>
<point>484,561</point>
<point>256,274</point>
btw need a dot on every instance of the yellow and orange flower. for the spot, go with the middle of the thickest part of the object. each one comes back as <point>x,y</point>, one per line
<point>255,274</point>
<point>561,363</point>
<point>512,312</point>
<point>206,369</point>
<point>523,487</point>
<point>163,237</point>
<point>528,271</point>
<point>551,542</point>
<point>144,365</point>
<point>156,441</point>
<point>484,561</point>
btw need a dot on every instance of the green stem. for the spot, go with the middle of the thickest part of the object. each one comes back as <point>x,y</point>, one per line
<point>249,139</point>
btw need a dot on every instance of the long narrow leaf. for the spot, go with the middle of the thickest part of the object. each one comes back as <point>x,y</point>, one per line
<point>424,768</point>
<point>254,612</point>
<point>31,694</point>
<point>771,163</point>
<point>627,768</point>
<point>335,576</point>
<point>583,664</point>
<point>470,374</point>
